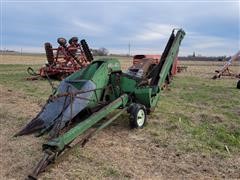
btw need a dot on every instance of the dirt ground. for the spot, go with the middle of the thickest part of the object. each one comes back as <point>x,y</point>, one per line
<point>116,153</point>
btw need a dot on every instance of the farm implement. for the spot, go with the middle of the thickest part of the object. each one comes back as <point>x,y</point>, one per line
<point>87,96</point>
<point>225,70</point>
<point>176,68</point>
<point>63,60</point>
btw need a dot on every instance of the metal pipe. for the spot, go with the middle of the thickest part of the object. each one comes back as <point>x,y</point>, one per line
<point>59,143</point>
<point>105,124</point>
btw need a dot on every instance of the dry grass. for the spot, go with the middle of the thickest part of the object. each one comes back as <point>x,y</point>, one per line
<point>185,137</point>
<point>16,59</point>
<point>15,110</point>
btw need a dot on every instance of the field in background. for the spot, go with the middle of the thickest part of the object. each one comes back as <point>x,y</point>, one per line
<point>194,132</point>
<point>125,61</point>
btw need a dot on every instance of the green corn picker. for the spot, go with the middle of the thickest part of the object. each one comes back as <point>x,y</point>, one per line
<point>87,96</point>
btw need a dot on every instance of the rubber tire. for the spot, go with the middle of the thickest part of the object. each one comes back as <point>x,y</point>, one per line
<point>238,84</point>
<point>49,53</point>
<point>86,50</point>
<point>133,111</point>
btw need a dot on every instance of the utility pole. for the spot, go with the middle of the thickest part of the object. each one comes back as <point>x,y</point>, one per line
<point>129,48</point>
<point>21,54</point>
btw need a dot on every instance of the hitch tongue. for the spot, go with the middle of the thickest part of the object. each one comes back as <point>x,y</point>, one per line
<point>47,159</point>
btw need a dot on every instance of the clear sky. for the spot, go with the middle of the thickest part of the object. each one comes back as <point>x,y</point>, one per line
<point>212,28</point>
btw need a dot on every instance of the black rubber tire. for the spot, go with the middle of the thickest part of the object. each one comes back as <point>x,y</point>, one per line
<point>238,84</point>
<point>86,50</point>
<point>134,110</point>
<point>49,53</point>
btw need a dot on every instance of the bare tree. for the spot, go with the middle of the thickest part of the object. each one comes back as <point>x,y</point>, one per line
<point>100,52</point>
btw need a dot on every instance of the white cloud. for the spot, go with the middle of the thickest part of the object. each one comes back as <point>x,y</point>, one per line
<point>149,35</point>
<point>209,45</point>
<point>147,26</point>
<point>153,32</point>
<point>206,45</point>
<point>207,41</point>
<point>88,27</point>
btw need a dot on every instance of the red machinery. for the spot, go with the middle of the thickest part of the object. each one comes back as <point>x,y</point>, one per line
<point>64,60</point>
<point>155,60</point>
<point>143,64</point>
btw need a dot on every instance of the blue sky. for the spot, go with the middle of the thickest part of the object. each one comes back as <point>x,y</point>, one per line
<point>212,28</point>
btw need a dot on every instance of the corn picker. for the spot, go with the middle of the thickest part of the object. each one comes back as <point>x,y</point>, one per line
<point>87,96</point>
<point>63,60</point>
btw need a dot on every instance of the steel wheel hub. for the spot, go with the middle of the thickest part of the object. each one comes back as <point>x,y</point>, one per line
<point>140,117</point>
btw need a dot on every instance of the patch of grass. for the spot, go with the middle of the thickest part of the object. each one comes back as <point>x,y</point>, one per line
<point>192,114</point>
<point>111,172</point>
<point>14,78</point>
<point>197,114</point>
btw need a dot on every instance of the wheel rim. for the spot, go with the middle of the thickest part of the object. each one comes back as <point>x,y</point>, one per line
<point>140,117</point>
